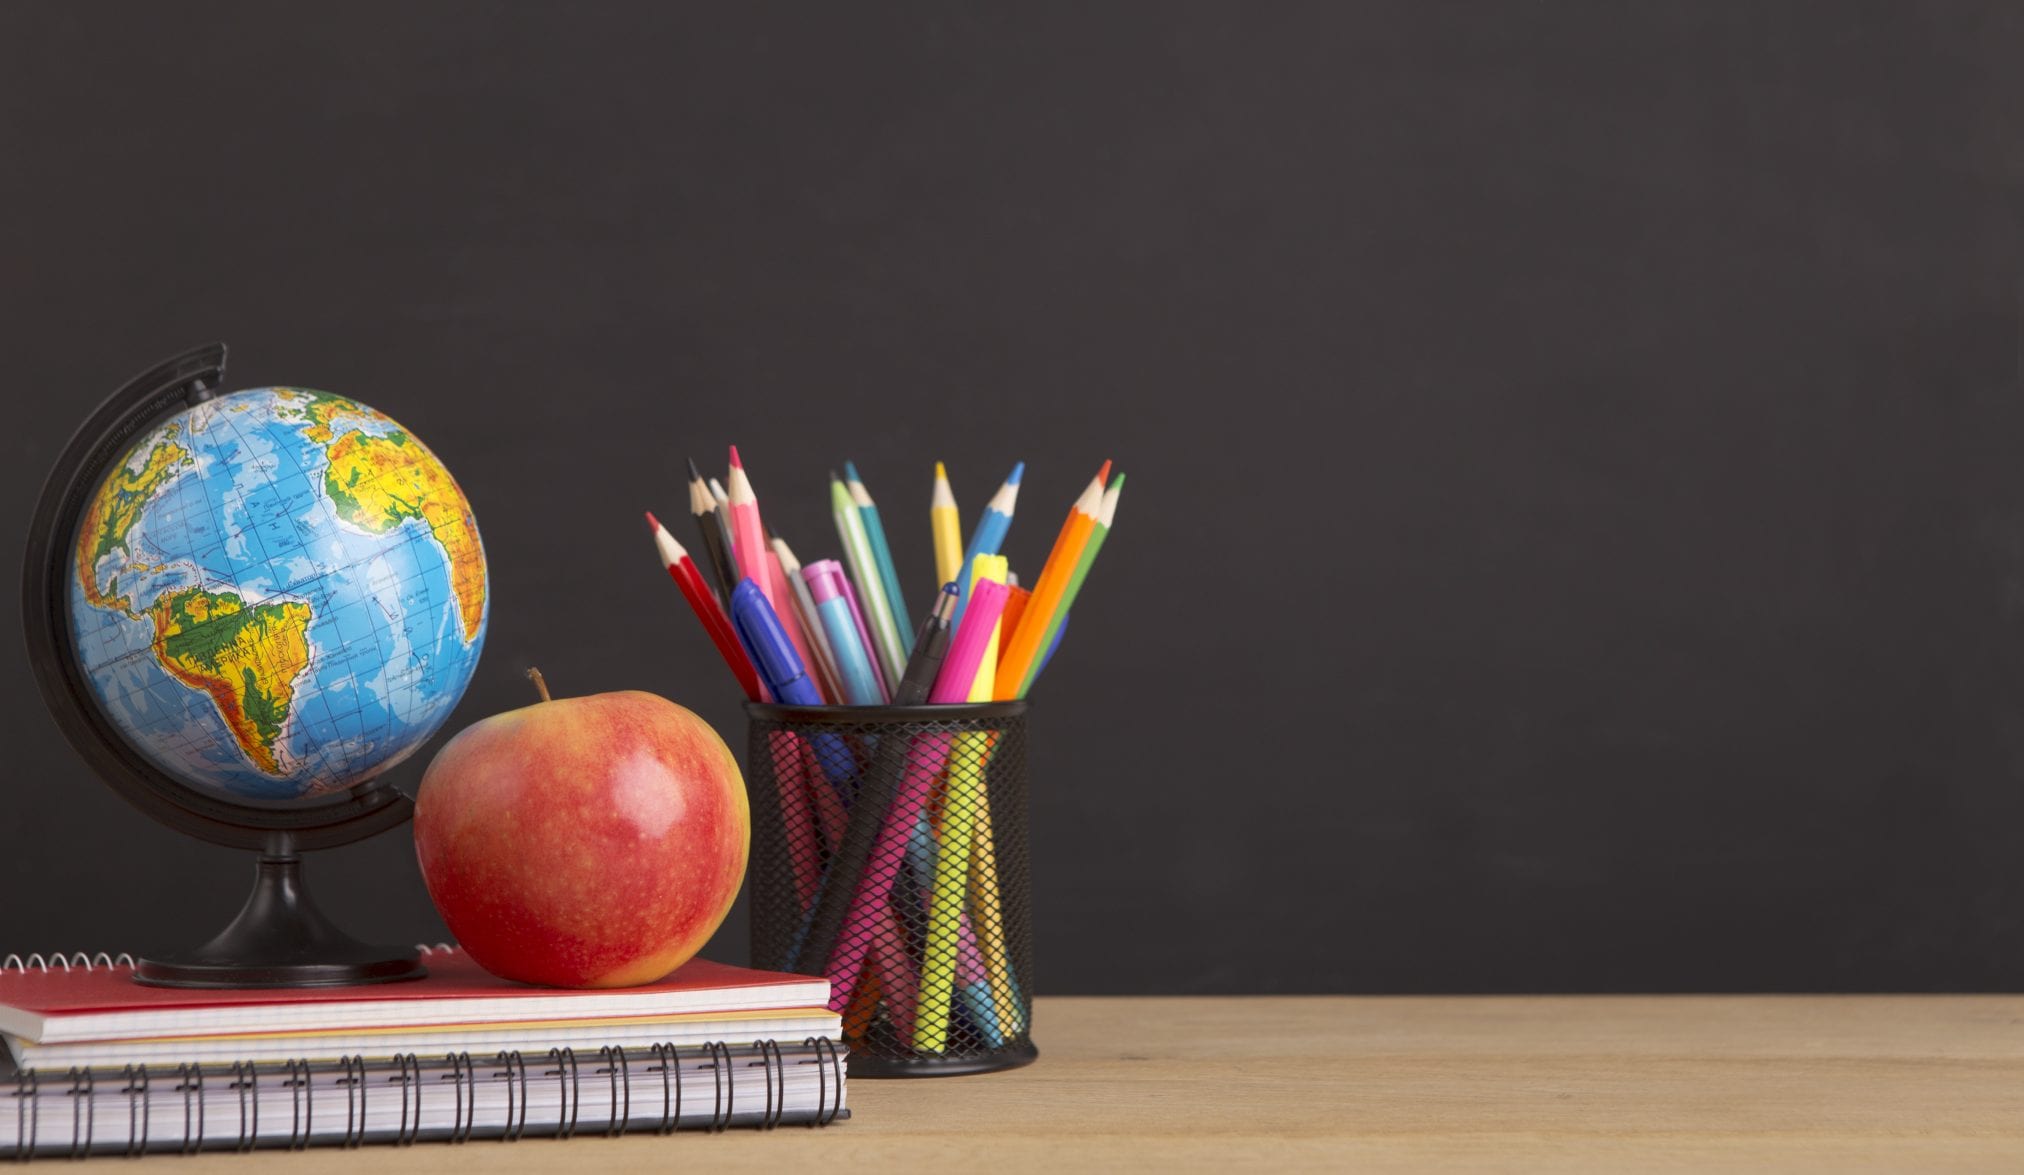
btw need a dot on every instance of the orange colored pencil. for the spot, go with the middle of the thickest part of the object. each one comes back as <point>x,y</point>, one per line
<point>1023,646</point>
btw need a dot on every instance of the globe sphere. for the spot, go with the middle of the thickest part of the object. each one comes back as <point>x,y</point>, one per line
<point>277,594</point>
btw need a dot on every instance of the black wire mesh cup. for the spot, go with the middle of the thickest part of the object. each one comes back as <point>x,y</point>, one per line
<point>889,854</point>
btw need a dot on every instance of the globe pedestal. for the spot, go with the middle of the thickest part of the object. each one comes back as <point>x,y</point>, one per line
<point>280,939</point>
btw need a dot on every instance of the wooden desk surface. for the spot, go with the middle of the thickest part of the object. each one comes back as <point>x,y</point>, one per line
<point>1600,1083</point>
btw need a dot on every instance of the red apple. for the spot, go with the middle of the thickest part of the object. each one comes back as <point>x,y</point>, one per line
<point>584,842</point>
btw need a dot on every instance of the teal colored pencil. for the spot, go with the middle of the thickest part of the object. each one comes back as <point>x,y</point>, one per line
<point>863,568</point>
<point>876,532</point>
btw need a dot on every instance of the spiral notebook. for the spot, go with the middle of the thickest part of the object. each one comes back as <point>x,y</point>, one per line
<point>189,1108</point>
<point>456,1056</point>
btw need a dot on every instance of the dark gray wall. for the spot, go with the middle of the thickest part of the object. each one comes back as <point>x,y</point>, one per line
<point>1576,529</point>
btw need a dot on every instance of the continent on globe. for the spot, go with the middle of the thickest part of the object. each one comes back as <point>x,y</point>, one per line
<point>380,482</point>
<point>278,593</point>
<point>111,513</point>
<point>246,659</point>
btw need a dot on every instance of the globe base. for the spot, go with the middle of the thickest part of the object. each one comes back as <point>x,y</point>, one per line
<point>280,939</point>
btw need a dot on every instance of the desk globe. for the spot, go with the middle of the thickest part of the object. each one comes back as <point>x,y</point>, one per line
<point>243,609</point>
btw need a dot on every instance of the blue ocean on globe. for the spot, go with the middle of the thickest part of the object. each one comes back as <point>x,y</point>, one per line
<point>278,594</point>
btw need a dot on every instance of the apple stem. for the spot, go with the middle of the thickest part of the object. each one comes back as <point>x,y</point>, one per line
<point>540,683</point>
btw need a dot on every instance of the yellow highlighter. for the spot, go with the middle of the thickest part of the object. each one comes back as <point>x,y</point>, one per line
<point>986,912</point>
<point>963,810</point>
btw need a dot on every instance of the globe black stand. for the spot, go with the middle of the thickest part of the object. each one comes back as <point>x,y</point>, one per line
<point>280,938</point>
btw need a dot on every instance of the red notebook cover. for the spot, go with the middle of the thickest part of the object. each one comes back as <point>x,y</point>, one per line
<point>103,1003</point>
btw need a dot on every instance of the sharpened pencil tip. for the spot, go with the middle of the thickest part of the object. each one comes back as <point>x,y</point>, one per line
<point>735,462</point>
<point>1018,471</point>
<point>1103,475</point>
<point>850,471</point>
<point>1117,483</point>
<point>695,474</point>
<point>653,523</point>
<point>941,474</point>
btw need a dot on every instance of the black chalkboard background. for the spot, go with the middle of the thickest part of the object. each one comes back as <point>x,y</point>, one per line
<point>1575,537</point>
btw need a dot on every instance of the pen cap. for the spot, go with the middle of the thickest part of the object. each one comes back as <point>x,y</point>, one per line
<point>825,580</point>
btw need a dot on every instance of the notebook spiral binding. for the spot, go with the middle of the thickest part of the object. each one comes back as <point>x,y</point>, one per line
<point>73,962</point>
<point>92,960</point>
<point>408,1073</point>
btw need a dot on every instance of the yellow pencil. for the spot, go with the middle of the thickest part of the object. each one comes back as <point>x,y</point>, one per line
<point>947,524</point>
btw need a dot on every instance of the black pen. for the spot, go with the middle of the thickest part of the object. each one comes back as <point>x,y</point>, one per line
<point>931,645</point>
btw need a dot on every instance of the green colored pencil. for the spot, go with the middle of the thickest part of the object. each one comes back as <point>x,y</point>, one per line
<point>876,532</point>
<point>1104,514</point>
<point>863,568</point>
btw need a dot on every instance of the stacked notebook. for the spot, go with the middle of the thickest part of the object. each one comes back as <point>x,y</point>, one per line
<point>101,1064</point>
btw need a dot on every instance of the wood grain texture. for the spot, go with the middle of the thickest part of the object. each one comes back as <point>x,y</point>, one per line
<point>1599,1083</point>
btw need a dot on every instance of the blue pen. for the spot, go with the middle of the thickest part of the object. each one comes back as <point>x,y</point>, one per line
<point>759,627</point>
<point>990,533</point>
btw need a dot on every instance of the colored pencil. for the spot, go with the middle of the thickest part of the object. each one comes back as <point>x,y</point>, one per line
<point>947,524</point>
<point>989,534</point>
<point>864,573</point>
<point>811,623</point>
<point>1023,650</point>
<point>715,529</point>
<point>1051,638</point>
<point>706,606</point>
<point>748,531</point>
<point>889,576</point>
<point>756,560</point>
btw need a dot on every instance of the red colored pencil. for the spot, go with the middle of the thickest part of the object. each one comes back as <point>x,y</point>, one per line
<point>707,608</point>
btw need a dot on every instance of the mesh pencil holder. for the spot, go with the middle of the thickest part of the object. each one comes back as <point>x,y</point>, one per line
<point>889,853</point>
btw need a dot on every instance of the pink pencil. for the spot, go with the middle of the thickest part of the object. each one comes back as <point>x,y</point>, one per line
<point>755,557</point>
<point>748,533</point>
<point>930,756</point>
